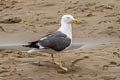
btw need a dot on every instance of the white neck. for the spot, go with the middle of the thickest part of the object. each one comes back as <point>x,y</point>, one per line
<point>66,29</point>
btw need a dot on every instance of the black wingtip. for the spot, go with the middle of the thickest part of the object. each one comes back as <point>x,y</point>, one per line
<point>25,45</point>
<point>32,44</point>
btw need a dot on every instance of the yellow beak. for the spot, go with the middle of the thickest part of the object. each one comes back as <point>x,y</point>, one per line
<point>75,20</point>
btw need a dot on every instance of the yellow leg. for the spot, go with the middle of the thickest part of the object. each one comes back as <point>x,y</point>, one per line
<point>60,65</point>
<point>54,59</point>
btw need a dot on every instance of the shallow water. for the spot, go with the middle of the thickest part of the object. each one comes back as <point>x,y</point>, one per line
<point>85,43</point>
<point>78,43</point>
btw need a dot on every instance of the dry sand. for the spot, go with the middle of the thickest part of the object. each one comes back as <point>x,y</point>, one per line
<point>27,20</point>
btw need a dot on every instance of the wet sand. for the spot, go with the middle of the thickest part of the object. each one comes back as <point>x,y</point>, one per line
<point>22,21</point>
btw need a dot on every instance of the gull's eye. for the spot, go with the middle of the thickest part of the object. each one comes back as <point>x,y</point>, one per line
<point>68,17</point>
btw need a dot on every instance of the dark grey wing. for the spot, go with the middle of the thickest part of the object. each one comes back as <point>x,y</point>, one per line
<point>57,41</point>
<point>55,34</point>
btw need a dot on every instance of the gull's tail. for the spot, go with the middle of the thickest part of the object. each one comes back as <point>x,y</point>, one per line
<point>32,44</point>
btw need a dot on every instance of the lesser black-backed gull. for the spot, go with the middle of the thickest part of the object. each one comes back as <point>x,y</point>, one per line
<point>57,41</point>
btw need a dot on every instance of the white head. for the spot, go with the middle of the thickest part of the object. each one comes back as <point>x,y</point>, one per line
<point>66,25</point>
<point>68,19</point>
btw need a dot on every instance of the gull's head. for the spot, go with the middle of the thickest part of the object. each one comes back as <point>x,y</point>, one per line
<point>69,19</point>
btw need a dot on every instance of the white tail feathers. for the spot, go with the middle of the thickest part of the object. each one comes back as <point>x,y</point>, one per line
<point>32,50</point>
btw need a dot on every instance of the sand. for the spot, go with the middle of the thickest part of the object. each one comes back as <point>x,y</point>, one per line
<point>27,20</point>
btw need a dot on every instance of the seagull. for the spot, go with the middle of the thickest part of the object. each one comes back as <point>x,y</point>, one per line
<point>56,41</point>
